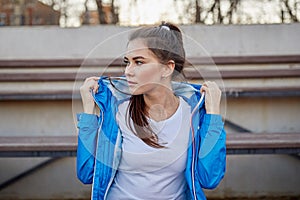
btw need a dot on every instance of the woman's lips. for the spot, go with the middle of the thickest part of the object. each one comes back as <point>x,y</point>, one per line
<point>131,82</point>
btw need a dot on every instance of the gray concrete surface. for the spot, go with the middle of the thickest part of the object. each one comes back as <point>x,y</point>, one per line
<point>109,41</point>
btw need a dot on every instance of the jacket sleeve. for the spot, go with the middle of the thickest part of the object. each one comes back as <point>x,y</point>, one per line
<point>211,160</point>
<point>87,140</point>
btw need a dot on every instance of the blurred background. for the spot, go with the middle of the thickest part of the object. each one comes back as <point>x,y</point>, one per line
<point>48,47</point>
<point>74,13</point>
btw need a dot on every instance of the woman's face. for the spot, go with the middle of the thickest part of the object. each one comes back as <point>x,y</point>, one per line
<point>143,70</point>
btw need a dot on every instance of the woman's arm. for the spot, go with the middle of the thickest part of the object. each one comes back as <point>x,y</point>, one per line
<point>212,153</point>
<point>87,134</point>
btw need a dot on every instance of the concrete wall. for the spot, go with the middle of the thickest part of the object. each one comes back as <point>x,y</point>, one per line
<point>57,43</point>
<point>246,176</point>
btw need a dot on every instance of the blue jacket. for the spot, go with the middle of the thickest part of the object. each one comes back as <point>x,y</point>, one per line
<point>99,143</point>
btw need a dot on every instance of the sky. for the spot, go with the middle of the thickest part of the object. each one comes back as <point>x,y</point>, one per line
<point>144,12</point>
<point>153,11</point>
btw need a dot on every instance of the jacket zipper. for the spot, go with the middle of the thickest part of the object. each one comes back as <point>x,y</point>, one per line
<point>112,177</point>
<point>99,128</point>
<point>194,147</point>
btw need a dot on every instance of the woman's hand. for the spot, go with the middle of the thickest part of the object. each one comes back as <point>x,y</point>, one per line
<point>212,97</point>
<point>89,84</point>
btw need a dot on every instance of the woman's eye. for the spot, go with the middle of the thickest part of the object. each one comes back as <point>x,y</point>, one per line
<point>139,62</point>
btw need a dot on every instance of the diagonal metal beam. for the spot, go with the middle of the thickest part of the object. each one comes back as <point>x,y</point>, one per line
<point>26,173</point>
<point>236,127</point>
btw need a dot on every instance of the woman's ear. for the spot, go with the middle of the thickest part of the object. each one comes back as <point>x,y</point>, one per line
<point>169,69</point>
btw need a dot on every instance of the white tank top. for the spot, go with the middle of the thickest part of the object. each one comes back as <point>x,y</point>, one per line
<point>150,173</point>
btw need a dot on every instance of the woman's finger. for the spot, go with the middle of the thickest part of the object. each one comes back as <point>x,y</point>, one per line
<point>93,77</point>
<point>95,87</point>
<point>92,80</point>
<point>203,88</point>
<point>90,84</point>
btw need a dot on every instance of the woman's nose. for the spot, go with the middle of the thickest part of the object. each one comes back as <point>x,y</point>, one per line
<point>129,70</point>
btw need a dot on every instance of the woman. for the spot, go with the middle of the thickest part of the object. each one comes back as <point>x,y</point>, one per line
<point>158,142</point>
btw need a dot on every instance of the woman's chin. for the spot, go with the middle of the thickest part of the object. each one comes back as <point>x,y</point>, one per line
<point>135,91</point>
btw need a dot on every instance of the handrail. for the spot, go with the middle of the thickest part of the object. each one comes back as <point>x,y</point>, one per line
<point>201,60</point>
<point>60,146</point>
<point>190,73</point>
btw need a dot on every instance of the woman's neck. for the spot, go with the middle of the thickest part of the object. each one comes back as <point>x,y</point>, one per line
<point>161,105</point>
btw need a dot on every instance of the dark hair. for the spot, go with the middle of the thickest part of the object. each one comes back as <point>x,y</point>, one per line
<point>165,42</point>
